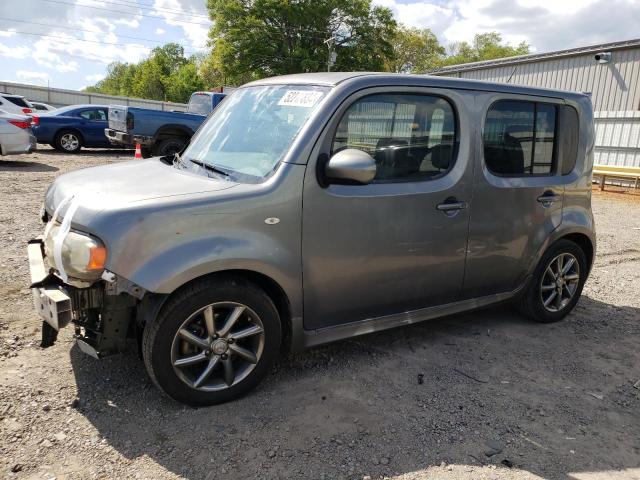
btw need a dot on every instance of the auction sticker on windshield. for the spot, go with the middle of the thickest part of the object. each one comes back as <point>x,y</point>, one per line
<point>300,98</point>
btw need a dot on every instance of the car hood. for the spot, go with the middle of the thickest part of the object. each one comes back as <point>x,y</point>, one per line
<point>122,184</point>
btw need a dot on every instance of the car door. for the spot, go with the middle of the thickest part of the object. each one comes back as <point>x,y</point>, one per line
<point>94,121</point>
<point>517,191</point>
<point>397,244</point>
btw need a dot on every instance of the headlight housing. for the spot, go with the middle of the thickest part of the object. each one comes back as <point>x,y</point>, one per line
<point>83,256</point>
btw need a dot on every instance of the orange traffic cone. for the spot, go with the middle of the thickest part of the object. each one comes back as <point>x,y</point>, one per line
<point>138,151</point>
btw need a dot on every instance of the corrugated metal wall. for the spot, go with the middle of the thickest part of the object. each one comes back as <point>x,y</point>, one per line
<point>617,139</point>
<point>60,98</point>
<point>614,89</point>
<point>614,86</point>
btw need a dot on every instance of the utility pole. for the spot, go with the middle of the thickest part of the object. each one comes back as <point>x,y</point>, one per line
<point>331,60</point>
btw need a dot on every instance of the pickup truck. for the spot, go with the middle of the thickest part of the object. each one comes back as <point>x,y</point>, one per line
<point>158,132</point>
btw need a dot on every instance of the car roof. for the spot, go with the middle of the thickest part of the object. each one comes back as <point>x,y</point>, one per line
<point>5,94</point>
<point>370,79</point>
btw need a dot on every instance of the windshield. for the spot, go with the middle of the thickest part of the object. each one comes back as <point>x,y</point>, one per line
<point>199,103</point>
<point>251,131</point>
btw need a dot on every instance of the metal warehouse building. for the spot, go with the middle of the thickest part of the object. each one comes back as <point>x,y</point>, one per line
<point>610,73</point>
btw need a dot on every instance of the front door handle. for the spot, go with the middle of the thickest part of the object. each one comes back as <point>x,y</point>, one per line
<point>451,206</point>
<point>548,198</point>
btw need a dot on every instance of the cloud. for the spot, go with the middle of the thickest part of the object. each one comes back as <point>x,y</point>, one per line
<point>63,48</point>
<point>14,52</point>
<point>160,31</point>
<point>195,24</point>
<point>7,33</point>
<point>95,77</point>
<point>544,24</point>
<point>128,22</point>
<point>34,77</point>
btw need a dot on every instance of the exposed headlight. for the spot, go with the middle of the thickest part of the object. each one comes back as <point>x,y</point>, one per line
<point>83,256</point>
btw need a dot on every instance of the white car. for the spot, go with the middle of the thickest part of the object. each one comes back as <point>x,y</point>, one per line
<point>42,107</point>
<point>16,104</point>
<point>15,134</point>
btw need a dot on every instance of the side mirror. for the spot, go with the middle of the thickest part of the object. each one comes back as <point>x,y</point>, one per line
<point>350,167</point>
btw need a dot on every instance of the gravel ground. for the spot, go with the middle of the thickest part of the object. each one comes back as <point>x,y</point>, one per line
<point>501,397</point>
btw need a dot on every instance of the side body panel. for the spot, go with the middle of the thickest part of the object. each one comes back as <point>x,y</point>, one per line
<point>147,122</point>
<point>92,131</point>
<point>508,224</point>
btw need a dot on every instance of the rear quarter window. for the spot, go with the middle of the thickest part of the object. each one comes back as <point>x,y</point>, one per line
<point>568,136</point>
<point>18,101</point>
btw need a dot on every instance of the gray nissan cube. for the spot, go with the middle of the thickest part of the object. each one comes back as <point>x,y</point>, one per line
<point>316,207</point>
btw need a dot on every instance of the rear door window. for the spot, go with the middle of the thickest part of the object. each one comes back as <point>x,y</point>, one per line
<point>519,138</point>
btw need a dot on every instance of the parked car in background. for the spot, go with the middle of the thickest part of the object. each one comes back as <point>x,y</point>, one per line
<point>42,107</point>
<point>68,129</point>
<point>16,136</point>
<point>316,207</point>
<point>15,104</point>
<point>160,132</point>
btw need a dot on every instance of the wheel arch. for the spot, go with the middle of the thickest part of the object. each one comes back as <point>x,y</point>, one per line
<point>270,286</point>
<point>582,236</point>
<point>584,242</point>
<point>172,131</point>
<point>62,130</point>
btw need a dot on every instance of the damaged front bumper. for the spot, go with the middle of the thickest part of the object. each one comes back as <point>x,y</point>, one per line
<point>103,314</point>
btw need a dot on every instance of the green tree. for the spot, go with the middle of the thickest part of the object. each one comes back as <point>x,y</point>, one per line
<point>118,81</point>
<point>259,38</point>
<point>165,75</point>
<point>183,82</point>
<point>415,50</point>
<point>485,46</point>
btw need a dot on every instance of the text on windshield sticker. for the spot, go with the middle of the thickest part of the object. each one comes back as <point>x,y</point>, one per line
<point>300,98</point>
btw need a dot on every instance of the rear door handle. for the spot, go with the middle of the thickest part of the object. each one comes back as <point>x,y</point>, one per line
<point>548,198</point>
<point>451,206</point>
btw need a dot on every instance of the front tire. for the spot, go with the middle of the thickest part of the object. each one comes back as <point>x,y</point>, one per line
<point>68,141</point>
<point>212,342</point>
<point>556,284</point>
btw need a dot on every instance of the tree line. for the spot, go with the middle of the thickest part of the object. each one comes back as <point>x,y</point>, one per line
<point>253,39</point>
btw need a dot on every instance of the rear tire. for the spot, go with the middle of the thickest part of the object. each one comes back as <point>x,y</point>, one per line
<point>199,355</point>
<point>550,296</point>
<point>169,146</point>
<point>68,141</point>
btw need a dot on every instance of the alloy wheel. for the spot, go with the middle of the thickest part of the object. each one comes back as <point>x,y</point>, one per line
<point>69,142</point>
<point>217,346</point>
<point>560,282</point>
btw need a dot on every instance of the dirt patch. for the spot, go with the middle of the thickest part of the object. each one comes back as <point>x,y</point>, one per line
<point>500,397</point>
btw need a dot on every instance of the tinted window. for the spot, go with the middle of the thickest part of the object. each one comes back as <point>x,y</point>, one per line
<point>39,106</point>
<point>95,115</point>
<point>411,137</point>
<point>18,101</point>
<point>519,138</point>
<point>200,104</point>
<point>568,129</point>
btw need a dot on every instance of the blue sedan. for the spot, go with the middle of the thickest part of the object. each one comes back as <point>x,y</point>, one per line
<point>68,129</point>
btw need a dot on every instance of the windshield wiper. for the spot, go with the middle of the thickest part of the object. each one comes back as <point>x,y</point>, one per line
<point>211,168</point>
